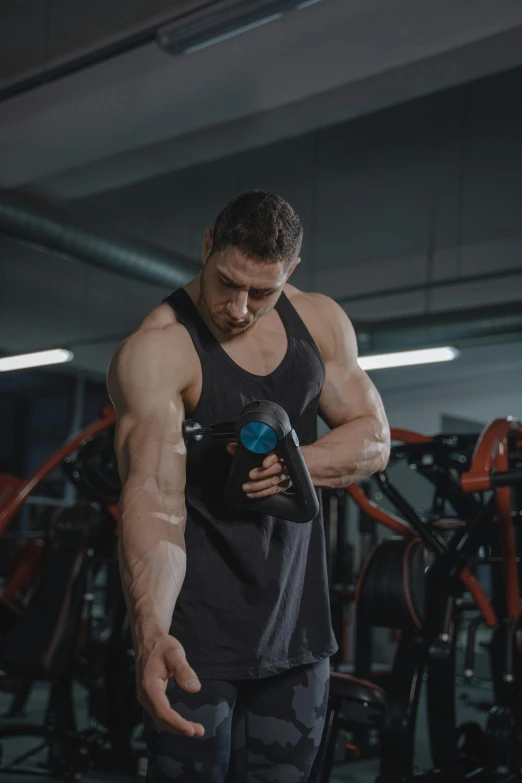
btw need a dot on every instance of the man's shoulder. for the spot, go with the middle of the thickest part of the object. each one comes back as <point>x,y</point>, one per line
<point>162,316</point>
<point>159,338</point>
<point>310,301</point>
<point>321,314</point>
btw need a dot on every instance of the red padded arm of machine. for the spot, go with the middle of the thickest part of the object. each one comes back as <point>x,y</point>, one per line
<point>491,456</point>
<point>25,488</point>
<point>478,478</point>
<point>397,526</point>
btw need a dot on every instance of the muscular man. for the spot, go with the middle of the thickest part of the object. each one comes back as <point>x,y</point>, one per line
<point>229,610</point>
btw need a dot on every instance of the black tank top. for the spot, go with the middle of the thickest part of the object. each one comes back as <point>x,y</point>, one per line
<point>255,598</point>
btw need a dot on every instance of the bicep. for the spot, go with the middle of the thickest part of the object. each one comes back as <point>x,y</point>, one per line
<point>146,394</point>
<point>348,393</point>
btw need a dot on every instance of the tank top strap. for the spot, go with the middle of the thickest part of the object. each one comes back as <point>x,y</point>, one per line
<point>188,314</point>
<point>294,324</point>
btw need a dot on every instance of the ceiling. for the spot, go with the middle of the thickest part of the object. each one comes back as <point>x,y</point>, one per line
<point>142,112</point>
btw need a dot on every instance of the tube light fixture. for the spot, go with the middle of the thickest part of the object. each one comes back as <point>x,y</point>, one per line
<point>231,33</point>
<point>408,358</point>
<point>203,29</point>
<point>37,359</point>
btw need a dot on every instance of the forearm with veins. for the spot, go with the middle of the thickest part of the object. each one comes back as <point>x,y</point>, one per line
<point>152,557</point>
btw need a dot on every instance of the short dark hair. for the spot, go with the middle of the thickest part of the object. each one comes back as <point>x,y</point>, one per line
<point>263,226</point>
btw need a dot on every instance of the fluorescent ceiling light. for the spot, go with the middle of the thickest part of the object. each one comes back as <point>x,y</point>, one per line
<point>228,18</point>
<point>408,358</point>
<point>39,359</point>
<point>232,33</point>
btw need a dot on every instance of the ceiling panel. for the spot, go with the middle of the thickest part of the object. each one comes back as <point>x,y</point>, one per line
<point>23,25</point>
<point>37,35</point>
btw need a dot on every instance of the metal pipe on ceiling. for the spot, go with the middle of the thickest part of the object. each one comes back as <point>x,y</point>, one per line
<point>460,328</point>
<point>31,219</point>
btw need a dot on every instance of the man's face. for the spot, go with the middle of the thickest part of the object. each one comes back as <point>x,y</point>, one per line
<point>237,291</point>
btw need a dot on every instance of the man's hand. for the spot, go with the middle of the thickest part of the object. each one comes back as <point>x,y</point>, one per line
<point>270,478</point>
<point>156,661</point>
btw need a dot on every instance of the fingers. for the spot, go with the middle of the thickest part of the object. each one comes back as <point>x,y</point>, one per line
<point>275,468</point>
<point>268,479</point>
<point>270,461</point>
<point>154,699</point>
<point>274,490</point>
<point>272,483</point>
<point>178,667</point>
<point>152,690</point>
<point>277,481</point>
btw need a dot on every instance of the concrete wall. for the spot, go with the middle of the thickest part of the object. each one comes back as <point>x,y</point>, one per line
<point>426,191</point>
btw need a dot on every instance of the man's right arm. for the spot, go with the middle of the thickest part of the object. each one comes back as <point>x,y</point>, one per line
<point>146,380</point>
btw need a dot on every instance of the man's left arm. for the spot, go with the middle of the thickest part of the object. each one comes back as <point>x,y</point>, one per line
<point>358,444</point>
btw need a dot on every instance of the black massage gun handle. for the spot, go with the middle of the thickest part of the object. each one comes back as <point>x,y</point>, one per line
<point>298,505</point>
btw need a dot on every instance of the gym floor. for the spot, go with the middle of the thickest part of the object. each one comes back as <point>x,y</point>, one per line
<point>354,772</point>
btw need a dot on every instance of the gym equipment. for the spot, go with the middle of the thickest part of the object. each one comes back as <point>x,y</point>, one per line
<point>106,662</point>
<point>10,505</point>
<point>57,639</point>
<point>94,470</point>
<point>340,557</point>
<point>262,428</point>
<point>353,703</point>
<point>41,647</point>
<point>422,579</point>
<point>24,557</point>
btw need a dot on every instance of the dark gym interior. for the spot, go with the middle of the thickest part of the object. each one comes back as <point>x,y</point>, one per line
<point>393,128</point>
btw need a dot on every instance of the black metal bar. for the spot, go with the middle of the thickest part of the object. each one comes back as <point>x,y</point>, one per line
<point>11,766</point>
<point>442,718</point>
<point>326,496</point>
<point>320,771</point>
<point>392,493</point>
<point>463,547</point>
<point>469,665</point>
<point>367,527</point>
<point>18,704</point>
<point>506,478</point>
<point>339,571</point>
<point>363,649</point>
<point>465,505</point>
<point>498,600</point>
<point>402,699</point>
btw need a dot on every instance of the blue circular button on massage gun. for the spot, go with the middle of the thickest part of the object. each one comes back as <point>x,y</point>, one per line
<point>262,428</point>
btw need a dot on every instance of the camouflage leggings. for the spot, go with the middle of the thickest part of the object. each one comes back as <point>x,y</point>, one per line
<point>256,731</point>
